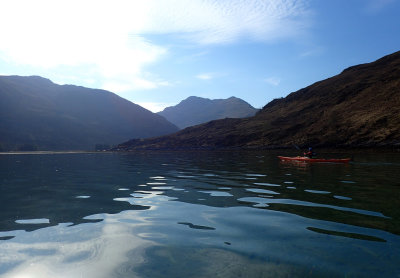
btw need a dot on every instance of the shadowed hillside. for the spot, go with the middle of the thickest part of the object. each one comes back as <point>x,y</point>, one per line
<point>36,114</point>
<point>359,107</point>
<point>196,110</point>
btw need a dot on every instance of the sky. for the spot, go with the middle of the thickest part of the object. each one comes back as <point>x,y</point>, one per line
<point>156,53</point>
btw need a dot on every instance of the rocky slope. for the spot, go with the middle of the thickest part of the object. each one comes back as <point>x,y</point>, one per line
<point>359,107</point>
<point>36,114</point>
<point>196,110</point>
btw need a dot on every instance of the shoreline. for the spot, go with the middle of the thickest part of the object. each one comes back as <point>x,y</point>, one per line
<point>283,149</point>
<point>46,152</point>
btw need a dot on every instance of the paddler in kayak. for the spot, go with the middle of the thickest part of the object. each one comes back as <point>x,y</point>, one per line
<point>309,153</point>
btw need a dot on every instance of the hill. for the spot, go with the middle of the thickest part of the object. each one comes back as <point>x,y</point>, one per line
<point>37,114</point>
<point>196,110</point>
<point>359,107</point>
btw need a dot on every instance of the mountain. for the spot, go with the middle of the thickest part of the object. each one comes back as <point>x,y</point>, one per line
<point>196,110</point>
<point>359,107</point>
<point>36,113</point>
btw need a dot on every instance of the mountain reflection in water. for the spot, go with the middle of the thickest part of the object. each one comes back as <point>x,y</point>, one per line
<point>197,214</point>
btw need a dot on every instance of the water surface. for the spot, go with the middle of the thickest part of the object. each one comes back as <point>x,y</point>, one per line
<point>198,214</point>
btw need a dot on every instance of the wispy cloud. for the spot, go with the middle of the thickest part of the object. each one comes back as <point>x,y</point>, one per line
<point>205,76</point>
<point>106,40</point>
<point>312,51</point>
<point>274,81</point>
<point>225,21</point>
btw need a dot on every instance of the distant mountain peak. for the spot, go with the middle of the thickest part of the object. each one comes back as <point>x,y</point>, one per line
<point>195,98</point>
<point>196,110</point>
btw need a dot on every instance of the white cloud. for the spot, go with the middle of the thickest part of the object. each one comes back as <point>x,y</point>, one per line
<point>274,81</point>
<point>105,40</point>
<point>205,76</point>
<point>211,75</point>
<point>91,37</point>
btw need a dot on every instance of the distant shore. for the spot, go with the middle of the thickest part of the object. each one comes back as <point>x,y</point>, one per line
<point>393,149</point>
<point>46,152</point>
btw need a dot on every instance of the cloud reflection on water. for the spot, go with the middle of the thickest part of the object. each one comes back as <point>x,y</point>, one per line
<point>84,250</point>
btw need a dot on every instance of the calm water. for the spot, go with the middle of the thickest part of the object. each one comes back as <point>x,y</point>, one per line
<point>198,214</point>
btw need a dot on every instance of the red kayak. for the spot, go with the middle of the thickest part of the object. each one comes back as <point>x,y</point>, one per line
<point>307,159</point>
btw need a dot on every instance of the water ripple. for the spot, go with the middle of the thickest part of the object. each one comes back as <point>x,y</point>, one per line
<point>309,204</point>
<point>33,221</point>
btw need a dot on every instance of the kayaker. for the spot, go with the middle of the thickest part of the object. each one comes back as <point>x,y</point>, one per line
<point>309,153</point>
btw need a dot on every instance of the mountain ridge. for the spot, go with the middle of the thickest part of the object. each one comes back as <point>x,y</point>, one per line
<point>38,114</point>
<point>360,107</point>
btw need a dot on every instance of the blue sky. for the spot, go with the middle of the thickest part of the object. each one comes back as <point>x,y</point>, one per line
<point>158,52</point>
